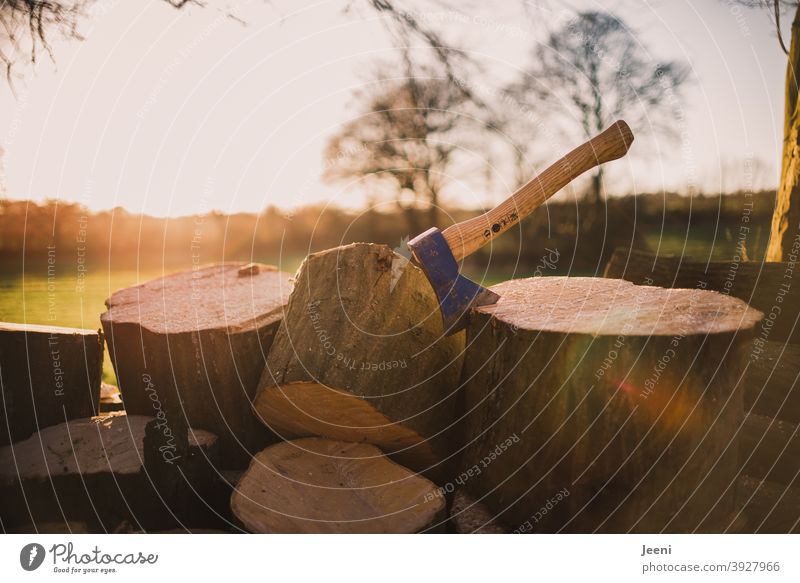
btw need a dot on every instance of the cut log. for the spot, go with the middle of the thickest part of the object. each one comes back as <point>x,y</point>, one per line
<point>770,449</point>
<point>597,405</point>
<point>360,356</point>
<point>772,381</point>
<point>48,375</point>
<point>316,485</point>
<point>767,287</point>
<point>469,516</point>
<point>769,507</point>
<point>91,471</point>
<point>110,399</point>
<point>190,348</point>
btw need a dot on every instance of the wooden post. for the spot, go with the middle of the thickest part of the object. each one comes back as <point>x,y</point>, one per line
<point>783,240</point>
<point>596,405</point>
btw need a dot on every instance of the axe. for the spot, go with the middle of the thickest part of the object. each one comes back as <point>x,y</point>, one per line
<point>438,252</point>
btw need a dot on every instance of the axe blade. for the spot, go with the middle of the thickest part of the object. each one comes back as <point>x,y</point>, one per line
<point>456,293</point>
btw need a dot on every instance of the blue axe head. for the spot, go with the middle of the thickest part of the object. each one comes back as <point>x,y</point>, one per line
<point>456,293</point>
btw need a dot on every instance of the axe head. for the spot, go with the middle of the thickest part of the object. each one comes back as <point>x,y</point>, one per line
<point>456,293</point>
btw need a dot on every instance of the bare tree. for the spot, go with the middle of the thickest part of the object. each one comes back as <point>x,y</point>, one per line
<point>26,26</point>
<point>405,25</point>
<point>405,137</point>
<point>593,71</point>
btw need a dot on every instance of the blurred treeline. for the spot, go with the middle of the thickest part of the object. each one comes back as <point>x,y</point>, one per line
<point>563,237</point>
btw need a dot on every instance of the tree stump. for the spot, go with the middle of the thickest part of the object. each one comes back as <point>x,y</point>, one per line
<point>316,485</point>
<point>48,375</point>
<point>597,405</point>
<point>189,349</point>
<point>360,356</point>
<point>91,471</point>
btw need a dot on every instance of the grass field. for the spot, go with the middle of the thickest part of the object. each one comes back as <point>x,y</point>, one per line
<point>27,299</point>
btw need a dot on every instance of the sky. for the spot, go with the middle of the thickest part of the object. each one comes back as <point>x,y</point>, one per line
<point>170,113</point>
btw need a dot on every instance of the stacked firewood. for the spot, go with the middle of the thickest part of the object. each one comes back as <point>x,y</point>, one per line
<point>333,402</point>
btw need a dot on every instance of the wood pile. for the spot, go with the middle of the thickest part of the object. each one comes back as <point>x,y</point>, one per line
<point>332,402</point>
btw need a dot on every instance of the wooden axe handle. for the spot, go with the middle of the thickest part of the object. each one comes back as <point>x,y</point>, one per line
<point>468,236</point>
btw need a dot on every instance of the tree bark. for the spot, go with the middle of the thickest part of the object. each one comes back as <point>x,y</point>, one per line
<point>360,356</point>
<point>316,485</point>
<point>786,217</point>
<point>596,405</point>
<point>189,348</point>
<point>91,471</point>
<point>48,375</point>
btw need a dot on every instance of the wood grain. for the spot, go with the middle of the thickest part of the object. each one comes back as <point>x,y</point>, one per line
<point>317,485</point>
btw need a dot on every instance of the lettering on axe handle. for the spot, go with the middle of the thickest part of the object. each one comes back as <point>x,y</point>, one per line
<point>509,219</point>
